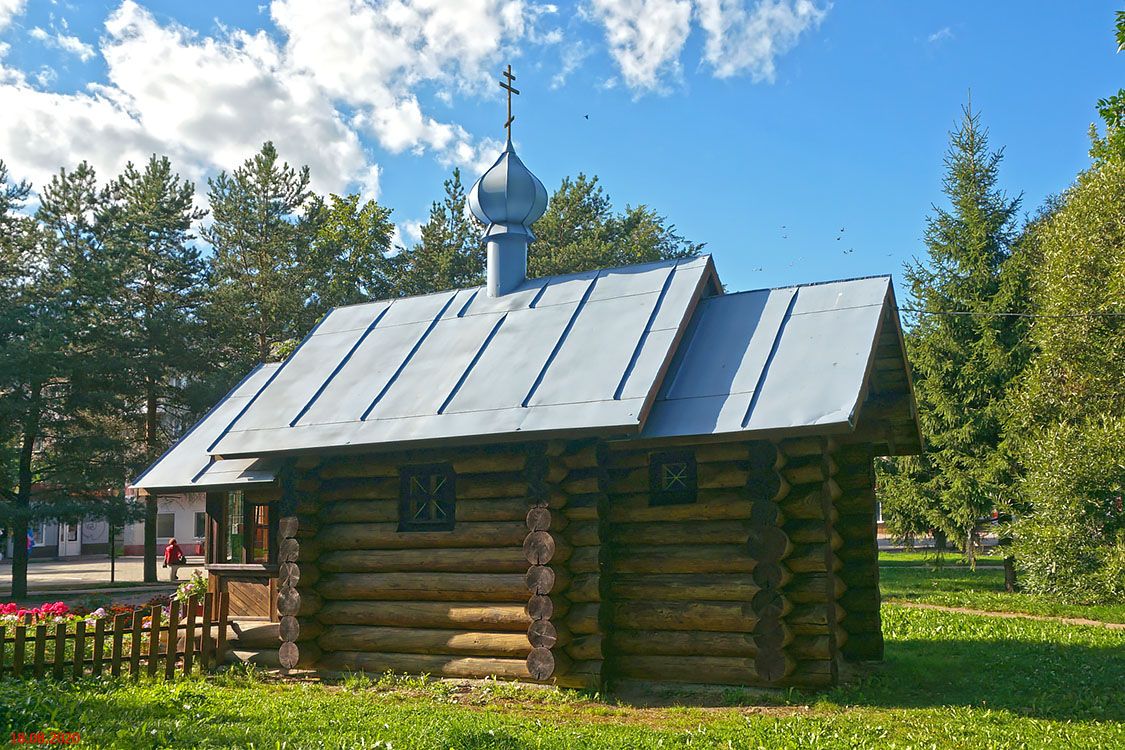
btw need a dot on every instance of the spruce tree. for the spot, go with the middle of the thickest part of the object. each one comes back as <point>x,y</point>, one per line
<point>450,254</point>
<point>264,220</point>
<point>160,288</point>
<point>965,357</point>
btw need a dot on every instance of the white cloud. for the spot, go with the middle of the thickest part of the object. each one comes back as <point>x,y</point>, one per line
<point>749,41</point>
<point>940,35</point>
<point>9,9</point>
<point>65,42</point>
<point>573,55</point>
<point>645,38</point>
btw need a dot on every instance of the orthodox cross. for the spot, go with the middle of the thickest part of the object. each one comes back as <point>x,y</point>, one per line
<point>507,86</point>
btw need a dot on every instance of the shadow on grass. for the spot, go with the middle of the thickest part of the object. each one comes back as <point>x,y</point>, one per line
<point>1042,678</point>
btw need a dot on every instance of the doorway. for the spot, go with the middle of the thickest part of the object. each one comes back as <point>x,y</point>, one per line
<point>70,539</point>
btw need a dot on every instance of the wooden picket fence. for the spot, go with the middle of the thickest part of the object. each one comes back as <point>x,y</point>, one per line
<point>122,644</point>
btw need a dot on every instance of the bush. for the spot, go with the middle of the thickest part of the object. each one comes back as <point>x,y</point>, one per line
<point>1072,543</point>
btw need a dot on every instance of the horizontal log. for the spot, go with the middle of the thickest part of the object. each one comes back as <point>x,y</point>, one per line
<point>857,502</point>
<point>856,527</point>
<point>501,587</point>
<point>583,458</point>
<point>501,616</point>
<point>546,606</point>
<point>810,588</point>
<point>678,615</point>
<point>294,550</point>
<point>365,488</point>
<point>581,511</point>
<point>861,622</point>
<point>859,574</point>
<point>292,603</point>
<point>583,618</point>
<point>546,634</point>
<point>452,560</point>
<point>812,674</point>
<point>542,547</point>
<point>807,532</point>
<point>585,647</point>
<point>686,558</point>
<point>809,446</point>
<point>710,505</point>
<point>767,485</point>
<point>543,663</point>
<point>387,536</point>
<point>577,483</point>
<point>583,675</point>
<point>684,643</point>
<point>298,656</point>
<point>853,553</point>
<point>683,587</point>
<point>767,543</point>
<point>721,452</point>
<point>287,526</point>
<point>585,560</point>
<point>424,641</point>
<point>298,628</point>
<point>357,467</point>
<point>490,463</point>
<point>469,486</point>
<point>809,619</point>
<point>543,579</point>
<point>387,511</point>
<point>584,588</point>
<point>439,665</point>
<point>686,532</point>
<point>809,558</point>
<point>807,472</point>
<point>583,534</point>
<point>807,505</point>
<point>715,670</point>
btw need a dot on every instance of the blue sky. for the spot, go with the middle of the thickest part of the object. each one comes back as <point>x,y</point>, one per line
<point>761,128</point>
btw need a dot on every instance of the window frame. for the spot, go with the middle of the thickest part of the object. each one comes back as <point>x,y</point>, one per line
<point>218,504</point>
<point>407,521</point>
<point>661,495</point>
<point>166,536</point>
<point>200,523</point>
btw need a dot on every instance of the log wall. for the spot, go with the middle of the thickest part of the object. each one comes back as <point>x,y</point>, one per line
<point>476,601</point>
<point>560,570</point>
<point>859,553</point>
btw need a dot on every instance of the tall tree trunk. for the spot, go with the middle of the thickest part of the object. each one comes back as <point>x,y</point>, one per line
<point>941,541</point>
<point>151,504</point>
<point>23,493</point>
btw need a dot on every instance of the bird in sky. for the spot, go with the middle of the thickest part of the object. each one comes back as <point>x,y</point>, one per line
<point>586,116</point>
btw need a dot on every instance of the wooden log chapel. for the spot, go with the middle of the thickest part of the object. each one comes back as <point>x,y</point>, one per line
<point>624,474</point>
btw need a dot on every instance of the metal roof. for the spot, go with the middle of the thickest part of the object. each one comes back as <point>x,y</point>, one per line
<point>581,353</point>
<point>186,466</point>
<point>773,359</point>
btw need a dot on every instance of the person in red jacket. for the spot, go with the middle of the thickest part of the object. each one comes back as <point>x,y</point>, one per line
<point>173,558</point>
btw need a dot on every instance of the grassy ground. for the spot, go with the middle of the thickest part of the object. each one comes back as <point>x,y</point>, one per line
<point>897,559</point>
<point>948,681</point>
<point>956,681</point>
<point>980,589</point>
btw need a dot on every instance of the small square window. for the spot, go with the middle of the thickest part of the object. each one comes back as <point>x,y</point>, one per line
<point>427,499</point>
<point>672,478</point>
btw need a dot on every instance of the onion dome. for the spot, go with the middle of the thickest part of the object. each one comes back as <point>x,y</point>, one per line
<point>508,197</point>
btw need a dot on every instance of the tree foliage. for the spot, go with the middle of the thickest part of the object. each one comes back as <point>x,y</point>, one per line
<point>1071,423</point>
<point>965,353</point>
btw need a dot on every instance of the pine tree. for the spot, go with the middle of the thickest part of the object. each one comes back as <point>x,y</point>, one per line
<point>265,219</point>
<point>351,248</point>
<point>148,221</point>
<point>450,254</point>
<point>581,232</point>
<point>965,357</point>
<point>59,375</point>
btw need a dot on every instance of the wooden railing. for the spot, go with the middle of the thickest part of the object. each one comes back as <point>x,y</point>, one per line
<point>138,642</point>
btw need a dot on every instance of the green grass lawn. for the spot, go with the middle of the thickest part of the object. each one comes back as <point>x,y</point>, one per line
<point>949,681</point>
<point>981,589</point>
<point>954,558</point>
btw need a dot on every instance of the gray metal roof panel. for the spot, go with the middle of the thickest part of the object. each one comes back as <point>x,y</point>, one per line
<point>566,353</point>
<point>187,465</point>
<point>772,359</point>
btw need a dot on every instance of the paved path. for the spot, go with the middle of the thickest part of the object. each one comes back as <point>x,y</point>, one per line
<point>1023,615</point>
<point>85,573</point>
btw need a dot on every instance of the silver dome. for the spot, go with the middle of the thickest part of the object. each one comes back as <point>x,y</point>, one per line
<point>508,197</point>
